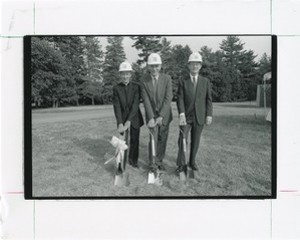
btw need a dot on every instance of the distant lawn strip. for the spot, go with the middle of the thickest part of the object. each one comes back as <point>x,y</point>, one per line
<point>234,158</point>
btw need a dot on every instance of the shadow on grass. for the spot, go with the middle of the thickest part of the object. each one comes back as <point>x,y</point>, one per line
<point>99,149</point>
<point>238,106</point>
<point>255,120</point>
<point>167,161</point>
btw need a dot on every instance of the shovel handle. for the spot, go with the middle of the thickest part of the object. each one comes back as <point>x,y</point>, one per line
<point>184,143</point>
<point>183,139</point>
<point>153,147</point>
<point>127,150</point>
<point>152,140</point>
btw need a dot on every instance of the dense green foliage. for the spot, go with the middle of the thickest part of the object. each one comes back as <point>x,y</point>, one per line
<point>73,70</point>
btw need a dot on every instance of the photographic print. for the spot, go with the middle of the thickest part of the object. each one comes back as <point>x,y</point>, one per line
<point>144,116</point>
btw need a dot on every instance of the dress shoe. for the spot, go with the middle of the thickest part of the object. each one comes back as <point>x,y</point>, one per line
<point>194,167</point>
<point>135,165</point>
<point>180,169</point>
<point>152,168</point>
<point>130,161</point>
<point>161,167</point>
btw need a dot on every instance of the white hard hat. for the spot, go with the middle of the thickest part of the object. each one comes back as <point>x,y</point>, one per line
<point>195,57</point>
<point>154,58</point>
<point>125,66</point>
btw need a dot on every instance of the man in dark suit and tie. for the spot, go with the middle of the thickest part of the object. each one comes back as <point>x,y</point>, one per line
<point>126,98</point>
<point>194,103</point>
<point>157,96</point>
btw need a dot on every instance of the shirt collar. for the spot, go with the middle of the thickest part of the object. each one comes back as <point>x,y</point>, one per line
<point>155,78</point>
<point>191,77</point>
<point>125,84</point>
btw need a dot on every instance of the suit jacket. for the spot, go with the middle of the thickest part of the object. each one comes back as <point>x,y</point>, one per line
<point>160,105</point>
<point>126,106</point>
<point>200,100</point>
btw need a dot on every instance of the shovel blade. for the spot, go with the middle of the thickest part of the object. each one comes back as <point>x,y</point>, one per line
<point>151,178</point>
<point>182,176</point>
<point>191,173</point>
<point>119,180</point>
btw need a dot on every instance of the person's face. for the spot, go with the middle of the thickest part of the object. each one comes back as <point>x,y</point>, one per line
<point>194,67</point>
<point>125,76</point>
<point>154,69</point>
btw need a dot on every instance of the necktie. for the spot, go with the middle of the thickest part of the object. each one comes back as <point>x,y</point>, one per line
<point>154,84</point>
<point>155,88</point>
<point>126,93</point>
<point>194,81</point>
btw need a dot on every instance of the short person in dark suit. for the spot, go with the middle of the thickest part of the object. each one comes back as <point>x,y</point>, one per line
<point>194,103</point>
<point>126,98</point>
<point>157,95</point>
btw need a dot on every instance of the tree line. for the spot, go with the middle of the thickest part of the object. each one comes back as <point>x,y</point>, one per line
<point>74,70</point>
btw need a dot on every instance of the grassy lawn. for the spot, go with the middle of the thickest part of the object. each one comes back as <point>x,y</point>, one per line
<point>234,156</point>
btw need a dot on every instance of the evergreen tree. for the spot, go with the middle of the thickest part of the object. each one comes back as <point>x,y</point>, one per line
<point>222,81</point>
<point>165,52</point>
<point>264,64</point>
<point>208,58</point>
<point>211,68</point>
<point>114,56</point>
<point>92,86</point>
<point>93,59</point>
<point>176,65</point>
<point>91,90</point>
<point>147,45</point>
<point>72,48</point>
<point>137,73</point>
<point>248,70</point>
<point>240,69</point>
<point>231,48</point>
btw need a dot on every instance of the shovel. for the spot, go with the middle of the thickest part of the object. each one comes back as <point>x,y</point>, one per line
<point>154,175</point>
<point>187,171</point>
<point>183,173</point>
<point>190,172</point>
<point>126,151</point>
<point>120,179</point>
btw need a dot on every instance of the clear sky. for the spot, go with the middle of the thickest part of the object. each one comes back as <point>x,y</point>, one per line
<point>259,44</point>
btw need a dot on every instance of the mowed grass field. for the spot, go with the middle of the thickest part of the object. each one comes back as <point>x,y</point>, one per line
<point>70,146</point>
